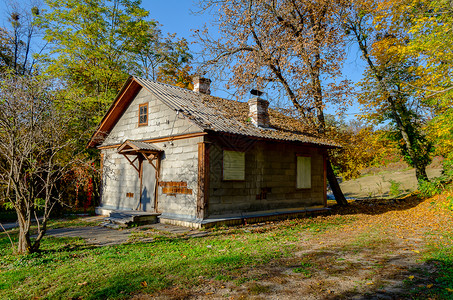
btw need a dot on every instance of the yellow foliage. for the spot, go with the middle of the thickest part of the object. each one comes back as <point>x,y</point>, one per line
<point>363,147</point>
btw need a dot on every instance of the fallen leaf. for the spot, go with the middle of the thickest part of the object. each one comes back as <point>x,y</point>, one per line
<point>144,284</point>
<point>416,251</point>
<point>82,283</point>
<point>429,285</point>
<point>411,277</point>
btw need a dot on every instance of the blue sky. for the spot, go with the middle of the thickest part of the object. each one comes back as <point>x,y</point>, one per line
<point>176,16</point>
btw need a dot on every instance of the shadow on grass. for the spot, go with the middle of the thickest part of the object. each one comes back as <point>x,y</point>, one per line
<point>432,279</point>
<point>376,206</point>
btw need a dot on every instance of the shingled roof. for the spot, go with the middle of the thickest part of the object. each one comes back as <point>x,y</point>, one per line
<point>213,114</point>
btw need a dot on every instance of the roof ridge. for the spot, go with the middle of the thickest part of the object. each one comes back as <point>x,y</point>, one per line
<point>186,90</point>
<point>165,84</point>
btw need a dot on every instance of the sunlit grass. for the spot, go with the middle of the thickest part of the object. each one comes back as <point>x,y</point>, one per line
<point>68,268</point>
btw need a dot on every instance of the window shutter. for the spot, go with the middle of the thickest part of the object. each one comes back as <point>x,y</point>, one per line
<point>303,172</point>
<point>233,165</point>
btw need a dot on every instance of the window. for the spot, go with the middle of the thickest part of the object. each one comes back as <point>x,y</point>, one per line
<point>233,165</point>
<point>143,114</point>
<point>303,172</point>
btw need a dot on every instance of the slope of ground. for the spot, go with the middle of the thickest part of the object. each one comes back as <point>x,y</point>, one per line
<point>378,185</point>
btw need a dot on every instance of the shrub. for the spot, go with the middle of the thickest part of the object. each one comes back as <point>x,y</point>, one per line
<point>394,187</point>
<point>433,187</point>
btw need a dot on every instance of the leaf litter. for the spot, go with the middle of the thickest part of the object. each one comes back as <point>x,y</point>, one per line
<point>377,254</point>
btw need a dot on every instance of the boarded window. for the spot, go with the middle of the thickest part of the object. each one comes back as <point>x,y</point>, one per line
<point>143,114</point>
<point>233,165</point>
<point>303,172</point>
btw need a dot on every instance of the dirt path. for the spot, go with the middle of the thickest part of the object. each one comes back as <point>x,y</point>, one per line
<point>377,256</point>
<point>102,236</point>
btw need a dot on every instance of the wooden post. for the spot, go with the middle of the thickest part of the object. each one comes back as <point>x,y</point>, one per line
<point>156,182</point>
<point>324,159</point>
<point>140,176</point>
<point>203,180</point>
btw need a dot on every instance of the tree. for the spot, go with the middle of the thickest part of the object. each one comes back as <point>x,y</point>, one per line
<point>35,152</point>
<point>91,45</point>
<point>363,147</point>
<point>96,44</point>
<point>429,24</point>
<point>175,69</point>
<point>289,45</point>
<point>164,59</point>
<point>16,49</point>
<point>388,87</point>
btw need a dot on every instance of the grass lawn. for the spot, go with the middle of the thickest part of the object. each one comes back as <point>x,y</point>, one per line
<point>400,248</point>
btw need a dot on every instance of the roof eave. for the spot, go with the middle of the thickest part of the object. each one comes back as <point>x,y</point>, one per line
<point>319,145</point>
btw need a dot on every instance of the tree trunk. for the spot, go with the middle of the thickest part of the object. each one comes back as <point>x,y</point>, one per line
<point>333,182</point>
<point>24,244</point>
<point>420,173</point>
<point>316,87</point>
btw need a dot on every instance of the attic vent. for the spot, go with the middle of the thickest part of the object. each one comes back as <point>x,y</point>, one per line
<point>258,109</point>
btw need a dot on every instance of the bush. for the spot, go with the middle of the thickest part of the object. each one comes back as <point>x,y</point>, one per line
<point>433,187</point>
<point>394,188</point>
<point>439,184</point>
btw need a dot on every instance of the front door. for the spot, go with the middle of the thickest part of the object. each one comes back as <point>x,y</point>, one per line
<point>149,186</point>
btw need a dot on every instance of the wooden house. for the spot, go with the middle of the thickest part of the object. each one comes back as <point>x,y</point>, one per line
<point>200,160</point>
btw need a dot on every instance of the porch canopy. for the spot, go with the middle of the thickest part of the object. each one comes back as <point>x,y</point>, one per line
<point>140,150</point>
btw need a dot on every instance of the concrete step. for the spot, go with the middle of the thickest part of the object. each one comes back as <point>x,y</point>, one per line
<point>127,218</point>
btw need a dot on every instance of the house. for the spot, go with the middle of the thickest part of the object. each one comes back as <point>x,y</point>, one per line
<point>200,160</point>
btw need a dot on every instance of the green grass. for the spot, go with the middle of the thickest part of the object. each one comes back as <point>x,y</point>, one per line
<point>304,269</point>
<point>68,268</point>
<point>437,276</point>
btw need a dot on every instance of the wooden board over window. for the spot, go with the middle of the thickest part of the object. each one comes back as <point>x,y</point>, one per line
<point>233,165</point>
<point>143,114</point>
<point>303,172</point>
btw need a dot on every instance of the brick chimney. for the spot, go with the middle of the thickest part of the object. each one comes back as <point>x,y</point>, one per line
<point>201,85</point>
<point>258,113</point>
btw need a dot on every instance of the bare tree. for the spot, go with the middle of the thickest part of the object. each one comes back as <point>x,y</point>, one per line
<point>19,39</point>
<point>289,45</point>
<point>36,151</point>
